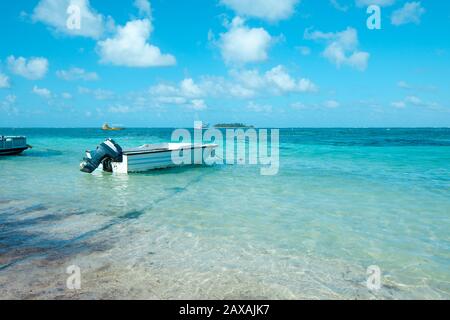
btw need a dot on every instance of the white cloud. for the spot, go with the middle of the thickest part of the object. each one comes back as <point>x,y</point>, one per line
<point>241,44</point>
<point>221,87</point>
<point>163,90</point>
<point>120,109</point>
<point>77,74</point>
<point>304,51</point>
<point>101,94</point>
<point>407,86</point>
<point>341,48</point>
<point>259,108</point>
<point>398,104</point>
<point>144,7</point>
<point>186,89</point>
<point>189,88</point>
<point>249,83</point>
<point>194,104</point>
<point>249,78</point>
<point>32,68</point>
<point>331,104</point>
<point>42,92</point>
<point>198,105</point>
<point>98,94</point>
<point>280,79</point>
<point>403,85</point>
<point>415,101</point>
<point>171,100</point>
<point>243,84</point>
<point>299,106</point>
<point>54,14</point>
<point>187,93</point>
<point>271,10</point>
<point>66,95</point>
<point>129,47</point>
<point>381,3</point>
<point>338,6</point>
<point>194,94</point>
<point>179,95</point>
<point>10,99</point>
<point>306,85</point>
<point>7,105</point>
<point>409,13</point>
<point>4,81</point>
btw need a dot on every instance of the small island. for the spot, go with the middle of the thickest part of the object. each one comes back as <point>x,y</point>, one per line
<point>231,125</point>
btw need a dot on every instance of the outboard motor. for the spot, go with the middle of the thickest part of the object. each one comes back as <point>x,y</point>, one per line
<point>106,152</point>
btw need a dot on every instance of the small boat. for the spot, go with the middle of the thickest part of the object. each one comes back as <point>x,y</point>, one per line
<point>201,126</point>
<point>10,145</point>
<point>106,127</point>
<point>144,158</point>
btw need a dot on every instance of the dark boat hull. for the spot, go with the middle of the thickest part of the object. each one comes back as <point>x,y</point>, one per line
<point>11,152</point>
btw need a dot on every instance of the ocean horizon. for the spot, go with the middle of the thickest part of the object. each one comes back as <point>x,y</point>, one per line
<point>255,127</point>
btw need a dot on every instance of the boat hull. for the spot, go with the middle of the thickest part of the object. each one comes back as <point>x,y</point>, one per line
<point>13,151</point>
<point>146,161</point>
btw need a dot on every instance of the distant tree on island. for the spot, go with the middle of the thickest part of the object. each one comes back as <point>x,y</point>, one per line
<point>232,125</point>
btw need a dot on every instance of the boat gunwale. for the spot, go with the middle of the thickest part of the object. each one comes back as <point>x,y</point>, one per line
<point>128,153</point>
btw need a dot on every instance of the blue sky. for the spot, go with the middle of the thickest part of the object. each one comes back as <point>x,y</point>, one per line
<point>275,63</point>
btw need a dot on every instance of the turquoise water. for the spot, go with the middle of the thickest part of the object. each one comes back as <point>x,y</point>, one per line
<point>343,200</point>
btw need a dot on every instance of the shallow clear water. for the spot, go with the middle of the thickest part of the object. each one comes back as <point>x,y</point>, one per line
<point>343,200</point>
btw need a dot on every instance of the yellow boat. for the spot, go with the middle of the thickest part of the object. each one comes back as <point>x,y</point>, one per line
<point>106,127</point>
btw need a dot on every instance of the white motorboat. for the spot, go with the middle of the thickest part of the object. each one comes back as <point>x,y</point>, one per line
<point>10,145</point>
<point>146,157</point>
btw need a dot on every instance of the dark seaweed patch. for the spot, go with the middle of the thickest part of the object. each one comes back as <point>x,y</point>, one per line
<point>132,214</point>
